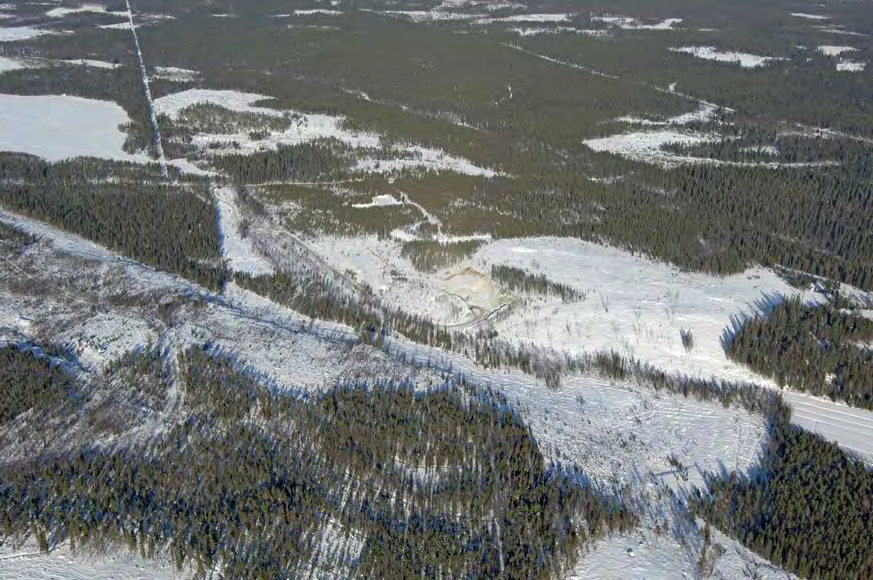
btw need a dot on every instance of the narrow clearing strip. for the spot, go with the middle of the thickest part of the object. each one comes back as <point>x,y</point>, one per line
<point>147,91</point>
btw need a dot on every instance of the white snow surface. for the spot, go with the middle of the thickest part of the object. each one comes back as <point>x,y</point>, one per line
<point>630,23</point>
<point>807,16</point>
<point>416,157</point>
<point>117,26</point>
<point>92,63</point>
<point>57,127</point>
<point>558,30</point>
<point>743,59</point>
<point>516,18</point>
<point>662,557</point>
<point>828,50</point>
<point>648,146</point>
<point>8,64</point>
<point>317,11</point>
<point>618,432</point>
<point>304,127</point>
<point>28,563</point>
<point>634,306</point>
<point>419,16</point>
<point>174,73</point>
<point>18,33</point>
<point>171,105</point>
<point>379,201</point>
<point>62,11</point>
<point>105,337</point>
<point>851,66</point>
<point>238,251</point>
<point>840,30</point>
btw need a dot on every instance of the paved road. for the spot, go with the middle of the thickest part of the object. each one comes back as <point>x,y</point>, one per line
<point>851,428</point>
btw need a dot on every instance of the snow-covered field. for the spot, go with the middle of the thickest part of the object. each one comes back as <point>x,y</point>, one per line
<point>93,63</point>
<point>851,66</point>
<point>378,201</point>
<point>173,73</point>
<point>558,30</point>
<point>808,16</point>
<point>19,33</point>
<point>630,23</point>
<point>634,306</point>
<point>8,64</point>
<point>648,146</point>
<point>238,251</point>
<point>304,128</point>
<point>743,59</point>
<point>828,50</point>
<point>528,18</point>
<point>58,127</point>
<point>62,11</point>
<point>28,563</point>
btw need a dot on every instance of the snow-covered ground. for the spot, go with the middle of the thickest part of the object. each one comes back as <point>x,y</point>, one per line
<point>851,66</point>
<point>62,11</point>
<point>828,50</point>
<point>93,63</point>
<point>743,59</point>
<point>173,104</point>
<point>19,33</point>
<point>173,73</point>
<point>8,64</point>
<point>379,201</point>
<point>558,30</point>
<point>27,563</point>
<point>808,16</point>
<point>317,12</point>
<point>648,555</point>
<point>618,432</point>
<point>58,127</point>
<point>648,146</point>
<point>304,128</point>
<point>421,158</point>
<point>840,30</point>
<point>630,23</point>
<point>235,248</point>
<point>528,18</point>
<point>445,298</point>
<point>419,16</point>
<point>633,305</point>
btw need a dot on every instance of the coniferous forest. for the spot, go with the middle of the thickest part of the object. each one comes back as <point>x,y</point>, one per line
<point>446,481</point>
<point>823,350</point>
<point>806,506</point>
<point>126,208</point>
